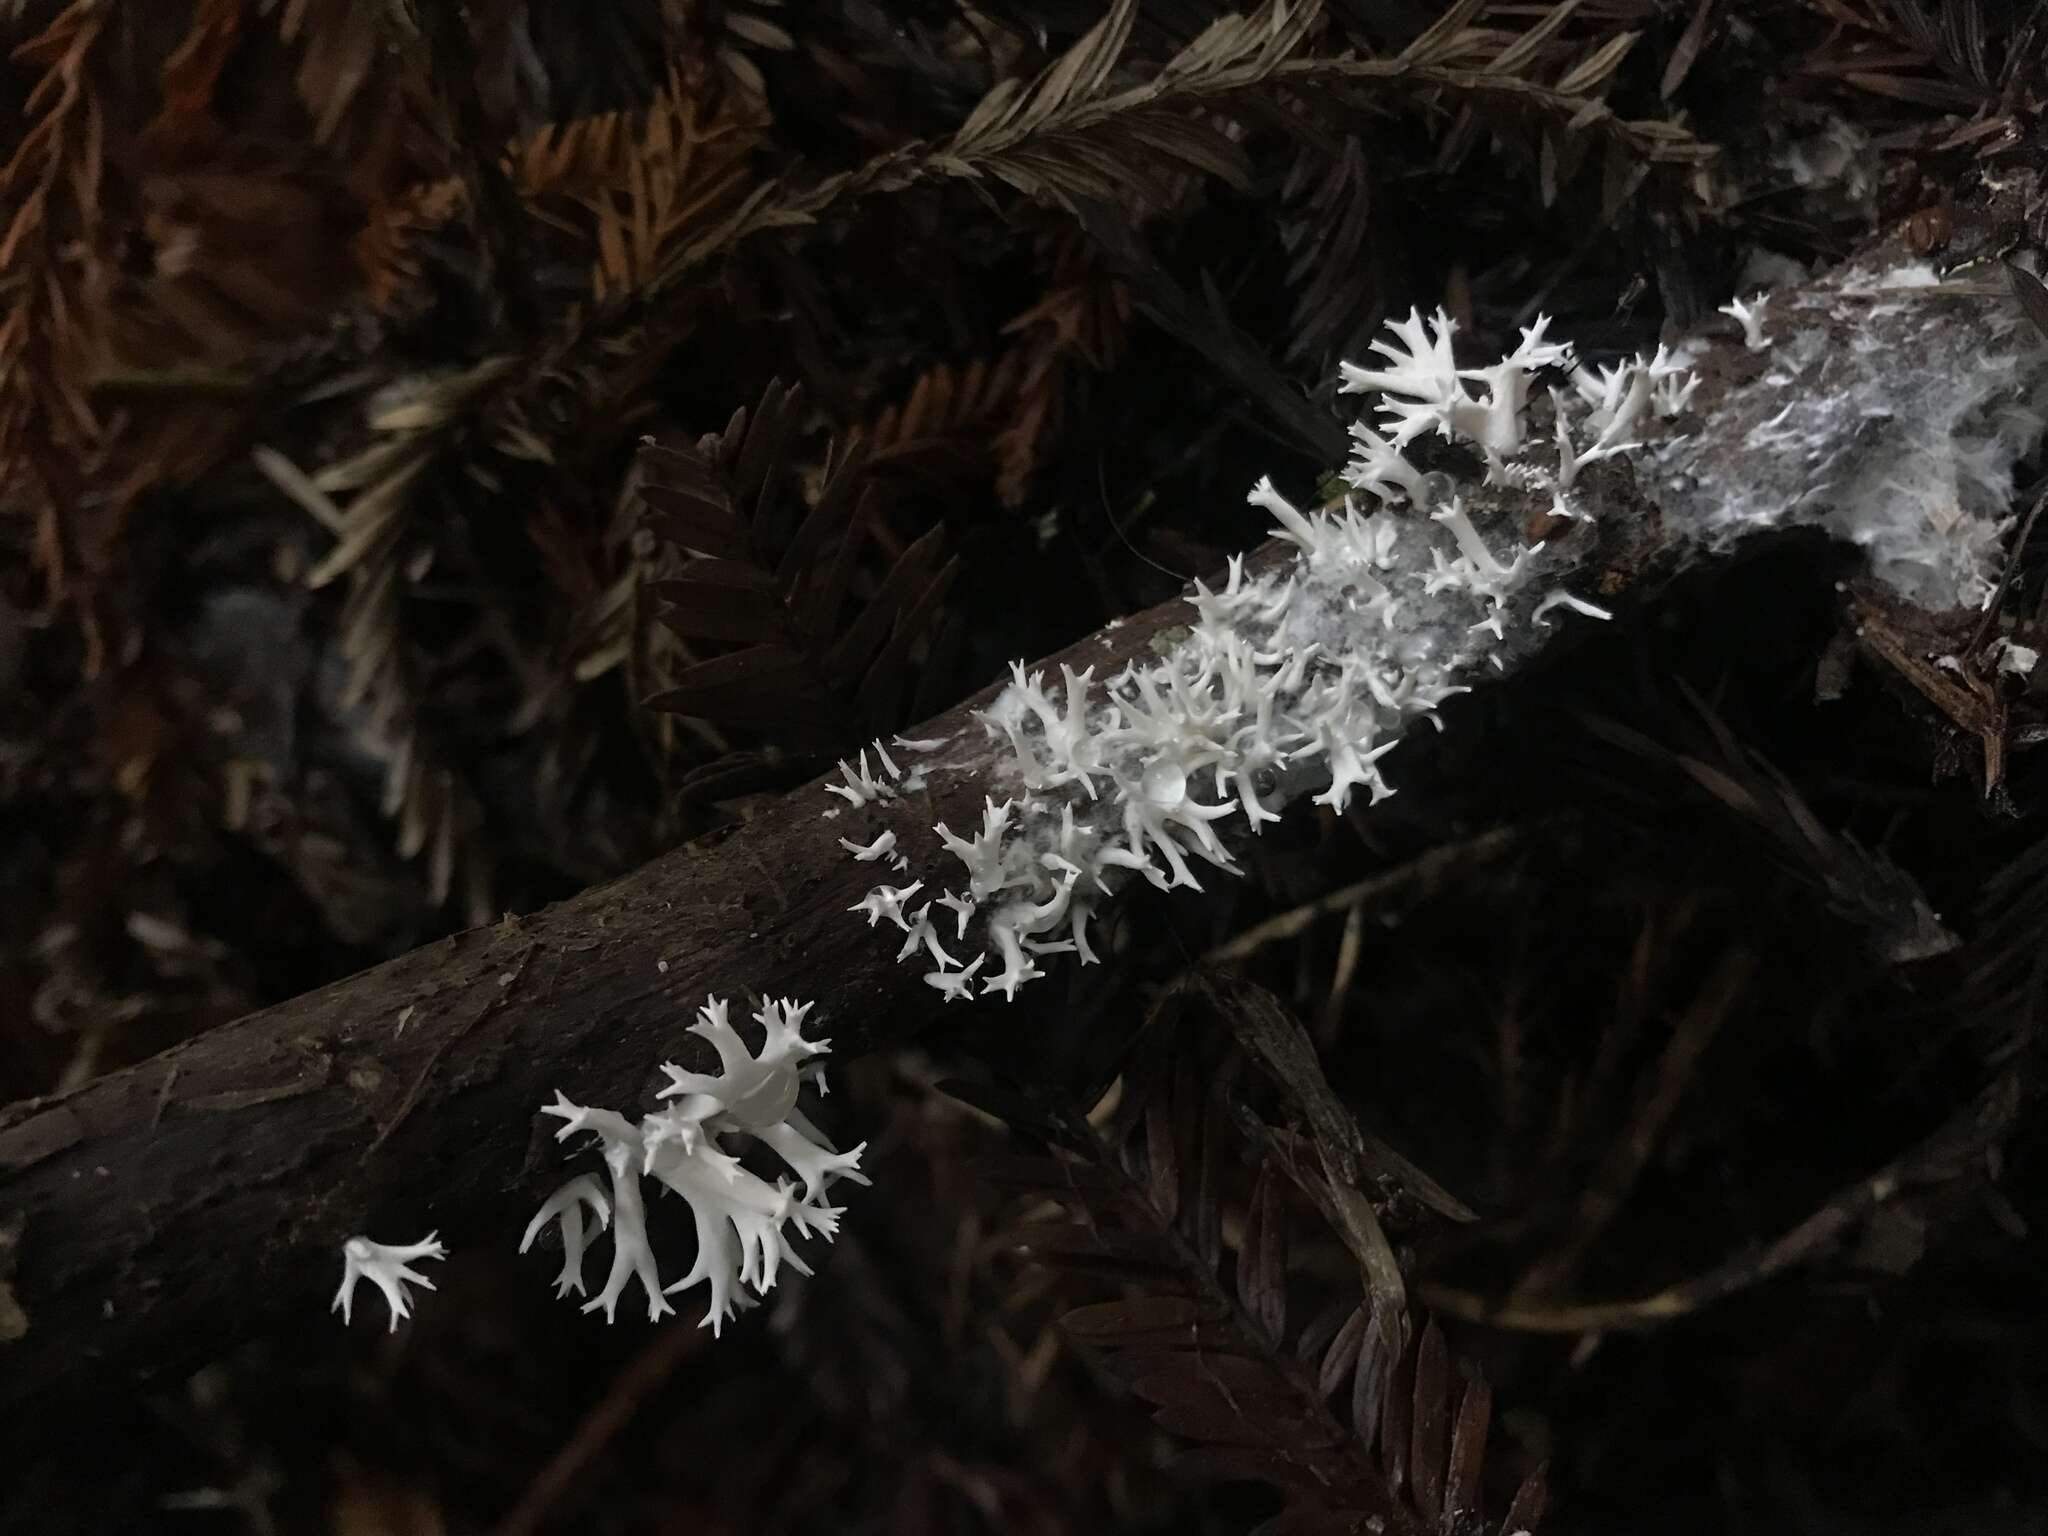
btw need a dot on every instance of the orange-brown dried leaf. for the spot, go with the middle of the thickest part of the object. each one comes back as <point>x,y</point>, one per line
<point>48,429</point>
<point>185,121</point>
<point>633,189</point>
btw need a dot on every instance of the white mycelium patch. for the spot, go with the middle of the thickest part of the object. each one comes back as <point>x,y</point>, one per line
<point>1890,412</point>
<point>1297,678</point>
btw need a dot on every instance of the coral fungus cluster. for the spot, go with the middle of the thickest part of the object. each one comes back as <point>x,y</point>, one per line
<point>742,1220</point>
<point>1297,677</point>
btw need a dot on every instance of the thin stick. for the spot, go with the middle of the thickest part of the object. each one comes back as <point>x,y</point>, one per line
<point>1421,870</point>
<point>1947,1154</point>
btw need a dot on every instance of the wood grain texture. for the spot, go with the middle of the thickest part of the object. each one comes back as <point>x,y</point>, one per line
<point>169,1209</point>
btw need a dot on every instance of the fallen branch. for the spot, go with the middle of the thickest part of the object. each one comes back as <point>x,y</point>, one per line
<point>158,1214</point>
<point>166,1210</point>
<point>1965,1144</point>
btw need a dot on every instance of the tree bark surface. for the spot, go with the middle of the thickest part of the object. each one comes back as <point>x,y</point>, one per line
<point>156,1215</point>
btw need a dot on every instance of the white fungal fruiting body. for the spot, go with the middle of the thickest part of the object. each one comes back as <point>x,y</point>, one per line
<point>1628,398</point>
<point>1291,680</point>
<point>1424,390</point>
<point>881,847</point>
<point>861,786</point>
<point>388,1266</point>
<point>886,901</point>
<point>1750,317</point>
<point>742,1220</point>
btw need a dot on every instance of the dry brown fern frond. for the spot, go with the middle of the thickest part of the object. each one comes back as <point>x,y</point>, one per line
<point>1080,322</point>
<point>1259,1307</point>
<point>234,241</point>
<point>166,246</point>
<point>997,415</point>
<point>352,63</point>
<point>1332,268</point>
<point>628,186</point>
<point>369,503</point>
<point>1955,56</point>
<point>946,417</point>
<point>1074,138</point>
<point>1065,137</point>
<point>51,180</point>
<point>615,630</point>
<point>186,121</point>
<point>245,253</point>
<point>613,190</point>
<point>366,78</point>
<point>771,582</point>
<point>1531,71</point>
<point>1234,1315</point>
<point>1536,91</point>
<point>287,227</point>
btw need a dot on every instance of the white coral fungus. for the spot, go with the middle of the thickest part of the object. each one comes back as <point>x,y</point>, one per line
<point>1424,389</point>
<point>1302,677</point>
<point>1293,679</point>
<point>861,786</point>
<point>1750,317</point>
<point>388,1266</point>
<point>742,1220</point>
